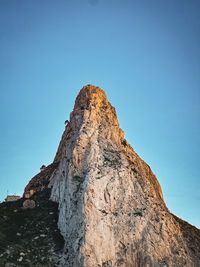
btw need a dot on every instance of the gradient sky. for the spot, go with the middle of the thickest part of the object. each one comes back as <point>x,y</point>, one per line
<point>145,54</point>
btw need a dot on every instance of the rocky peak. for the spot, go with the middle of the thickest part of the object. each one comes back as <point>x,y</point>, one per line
<point>90,96</point>
<point>111,207</point>
<point>91,110</point>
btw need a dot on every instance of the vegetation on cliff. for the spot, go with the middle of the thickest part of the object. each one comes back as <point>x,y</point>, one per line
<point>30,237</point>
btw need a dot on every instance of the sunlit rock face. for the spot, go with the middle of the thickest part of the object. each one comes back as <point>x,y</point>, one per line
<point>111,208</point>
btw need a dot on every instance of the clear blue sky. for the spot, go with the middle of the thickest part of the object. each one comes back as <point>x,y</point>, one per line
<point>144,54</point>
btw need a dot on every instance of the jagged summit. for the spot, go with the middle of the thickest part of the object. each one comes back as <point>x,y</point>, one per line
<point>89,95</point>
<point>91,106</point>
<point>111,207</point>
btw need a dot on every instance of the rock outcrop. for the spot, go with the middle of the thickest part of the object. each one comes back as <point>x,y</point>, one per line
<point>111,207</point>
<point>29,204</point>
<point>40,181</point>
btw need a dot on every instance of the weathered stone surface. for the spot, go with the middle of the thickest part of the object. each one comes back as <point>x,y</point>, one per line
<point>29,204</point>
<point>111,207</point>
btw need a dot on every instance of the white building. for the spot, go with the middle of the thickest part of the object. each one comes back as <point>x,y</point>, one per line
<point>10,198</point>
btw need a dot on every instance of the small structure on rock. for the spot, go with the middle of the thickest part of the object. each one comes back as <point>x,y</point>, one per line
<point>11,198</point>
<point>42,167</point>
<point>66,122</point>
<point>29,204</point>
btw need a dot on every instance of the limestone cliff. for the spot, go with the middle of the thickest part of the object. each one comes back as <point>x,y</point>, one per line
<point>111,207</point>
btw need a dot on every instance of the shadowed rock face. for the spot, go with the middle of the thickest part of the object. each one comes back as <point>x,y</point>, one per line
<point>111,207</point>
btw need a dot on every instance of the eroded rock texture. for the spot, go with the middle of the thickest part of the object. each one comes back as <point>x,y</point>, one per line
<point>111,208</point>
